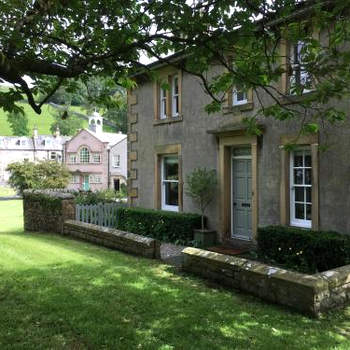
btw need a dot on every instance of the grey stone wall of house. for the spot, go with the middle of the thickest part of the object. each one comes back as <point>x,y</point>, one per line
<point>115,239</point>
<point>309,294</point>
<point>46,211</point>
<point>200,149</point>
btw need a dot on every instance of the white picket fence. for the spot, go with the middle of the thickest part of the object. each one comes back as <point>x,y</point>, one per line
<point>103,214</point>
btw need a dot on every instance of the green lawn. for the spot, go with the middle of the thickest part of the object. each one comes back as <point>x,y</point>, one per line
<point>57,293</point>
<point>6,191</point>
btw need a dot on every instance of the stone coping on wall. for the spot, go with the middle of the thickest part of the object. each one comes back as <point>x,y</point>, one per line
<point>310,294</point>
<point>112,238</point>
<point>50,193</point>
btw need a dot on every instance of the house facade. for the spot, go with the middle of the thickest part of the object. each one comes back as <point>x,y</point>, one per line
<point>87,156</point>
<point>259,182</point>
<point>35,148</point>
<point>118,164</point>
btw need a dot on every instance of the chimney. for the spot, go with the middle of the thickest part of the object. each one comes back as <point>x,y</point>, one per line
<point>35,132</point>
<point>57,132</point>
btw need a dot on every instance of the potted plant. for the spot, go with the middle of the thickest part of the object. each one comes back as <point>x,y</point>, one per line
<point>201,187</point>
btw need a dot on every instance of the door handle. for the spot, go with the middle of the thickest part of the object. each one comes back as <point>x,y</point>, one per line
<point>246,205</point>
<point>234,204</point>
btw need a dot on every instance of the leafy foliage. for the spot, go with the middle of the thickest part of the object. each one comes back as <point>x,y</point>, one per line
<point>67,126</point>
<point>104,196</point>
<point>62,44</point>
<point>41,175</point>
<point>19,123</point>
<point>162,225</point>
<point>201,187</point>
<point>304,250</point>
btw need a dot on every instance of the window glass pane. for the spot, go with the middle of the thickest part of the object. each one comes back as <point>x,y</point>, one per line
<point>308,160</point>
<point>308,194</point>
<point>299,211</point>
<point>298,159</point>
<point>171,168</point>
<point>298,176</point>
<point>299,194</point>
<point>308,211</point>
<point>308,176</point>
<point>246,151</point>
<point>171,193</point>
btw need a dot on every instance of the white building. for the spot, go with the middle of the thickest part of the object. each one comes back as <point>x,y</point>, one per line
<point>118,170</point>
<point>20,148</point>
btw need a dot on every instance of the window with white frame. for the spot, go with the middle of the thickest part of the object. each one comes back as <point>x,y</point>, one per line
<point>163,103</point>
<point>75,179</point>
<point>53,156</point>
<point>96,158</point>
<point>175,96</point>
<point>95,179</point>
<point>84,155</point>
<point>116,160</point>
<point>300,78</point>
<point>301,188</point>
<point>239,97</point>
<point>72,158</point>
<point>170,183</point>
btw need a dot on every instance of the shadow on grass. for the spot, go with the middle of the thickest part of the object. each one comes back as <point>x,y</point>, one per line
<point>116,301</point>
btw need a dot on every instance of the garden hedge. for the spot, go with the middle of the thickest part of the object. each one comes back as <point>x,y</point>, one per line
<point>162,225</point>
<point>304,250</point>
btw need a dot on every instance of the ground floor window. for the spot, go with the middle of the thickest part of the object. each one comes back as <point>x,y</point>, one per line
<point>170,182</point>
<point>75,179</point>
<point>301,188</point>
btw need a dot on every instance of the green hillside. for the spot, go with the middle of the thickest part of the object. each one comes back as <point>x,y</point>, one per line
<point>42,121</point>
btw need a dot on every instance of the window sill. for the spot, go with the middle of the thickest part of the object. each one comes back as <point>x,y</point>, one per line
<point>239,108</point>
<point>169,120</point>
<point>293,99</point>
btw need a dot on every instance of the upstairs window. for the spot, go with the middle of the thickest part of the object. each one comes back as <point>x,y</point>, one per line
<point>96,158</point>
<point>72,158</point>
<point>168,99</point>
<point>163,103</point>
<point>175,96</point>
<point>116,160</point>
<point>300,79</point>
<point>239,97</point>
<point>84,155</point>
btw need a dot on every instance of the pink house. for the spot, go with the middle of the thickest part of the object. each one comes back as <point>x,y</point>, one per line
<point>87,156</point>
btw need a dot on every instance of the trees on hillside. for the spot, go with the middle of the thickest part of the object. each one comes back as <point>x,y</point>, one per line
<point>57,42</point>
<point>18,123</point>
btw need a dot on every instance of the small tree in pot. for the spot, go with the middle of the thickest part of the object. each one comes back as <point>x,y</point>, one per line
<point>201,187</point>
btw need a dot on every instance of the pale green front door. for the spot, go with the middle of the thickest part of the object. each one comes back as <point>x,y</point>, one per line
<point>86,184</point>
<point>242,197</point>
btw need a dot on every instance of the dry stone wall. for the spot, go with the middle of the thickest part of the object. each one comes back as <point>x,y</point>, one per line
<point>46,211</point>
<point>115,239</point>
<point>310,294</point>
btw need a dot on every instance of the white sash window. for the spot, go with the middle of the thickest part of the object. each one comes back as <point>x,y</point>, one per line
<point>301,188</point>
<point>170,183</point>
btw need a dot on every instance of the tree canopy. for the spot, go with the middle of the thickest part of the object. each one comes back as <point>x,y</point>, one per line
<point>57,42</point>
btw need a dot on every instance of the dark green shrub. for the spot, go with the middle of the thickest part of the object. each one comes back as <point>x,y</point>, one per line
<point>304,250</point>
<point>162,225</point>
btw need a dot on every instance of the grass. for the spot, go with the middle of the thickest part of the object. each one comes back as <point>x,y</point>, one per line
<point>57,293</point>
<point>6,191</point>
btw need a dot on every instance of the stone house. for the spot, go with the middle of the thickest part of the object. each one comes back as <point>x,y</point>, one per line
<point>38,147</point>
<point>259,182</point>
<point>87,156</point>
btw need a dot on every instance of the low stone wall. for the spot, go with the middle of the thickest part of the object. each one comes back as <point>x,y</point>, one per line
<point>111,238</point>
<point>47,210</point>
<point>310,294</point>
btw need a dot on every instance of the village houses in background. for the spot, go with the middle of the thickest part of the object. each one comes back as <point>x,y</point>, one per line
<point>97,160</point>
